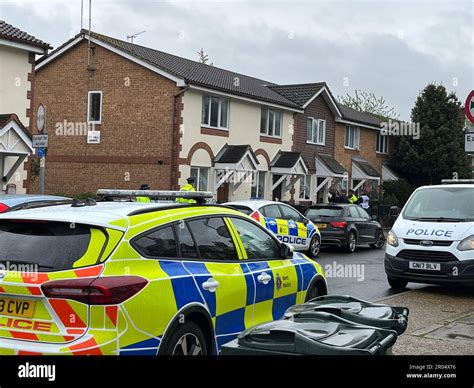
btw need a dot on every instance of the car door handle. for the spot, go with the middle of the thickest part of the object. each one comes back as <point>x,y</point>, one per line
<point>264,278</point>
<point>210,285</point>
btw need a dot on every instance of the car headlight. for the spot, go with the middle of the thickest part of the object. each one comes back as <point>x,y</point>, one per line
<point>467,244</point>
<point>392,239</point>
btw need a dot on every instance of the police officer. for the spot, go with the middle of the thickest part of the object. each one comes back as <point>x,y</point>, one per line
<point>364,198</point>
<point>143,199</point>
<point>188,187</point>
<point>352,197</point>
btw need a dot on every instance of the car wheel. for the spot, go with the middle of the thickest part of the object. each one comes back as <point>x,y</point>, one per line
<point>314,247</point>
<point>311,293</point>
<point>351,242</point>
<point>186,340</point>
<point>379,240</point>
<point>397,284</point>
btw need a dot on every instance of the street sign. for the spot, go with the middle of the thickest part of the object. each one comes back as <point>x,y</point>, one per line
<point>93,137</point>
<point>40,152</point>
<point>469,143</point>
<point>469,107</point>
<point>40,118</point>
<point>40,141</point>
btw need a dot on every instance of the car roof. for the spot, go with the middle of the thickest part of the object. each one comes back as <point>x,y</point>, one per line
<point>331,205</point>
<point>253,203</point>
<point>456,185</point>
<point>16,199</point>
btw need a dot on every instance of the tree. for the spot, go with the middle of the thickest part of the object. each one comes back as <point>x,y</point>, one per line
<point>439,151</point>
<point>369,103</point>
<point>204,58</point>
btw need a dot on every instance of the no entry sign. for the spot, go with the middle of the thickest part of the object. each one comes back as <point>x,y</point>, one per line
<point>469,107</point>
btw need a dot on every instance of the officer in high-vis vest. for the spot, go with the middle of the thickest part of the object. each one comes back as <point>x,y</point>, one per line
<point>143,199</point>
<point>188,187</point>
<point>352,197</point>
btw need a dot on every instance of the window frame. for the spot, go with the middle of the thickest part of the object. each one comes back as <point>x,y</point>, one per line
<point>356,139</point>
<point>219,112</point>
<point>267,121</point>
<point>315,126</point>
<point>198,177</point>
<point>89,93</point>
<point>382,144</point>
<point>307,189</point>
<point>258,179</point>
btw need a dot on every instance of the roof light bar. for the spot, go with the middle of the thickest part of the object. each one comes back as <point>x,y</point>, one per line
<point>199,196</point>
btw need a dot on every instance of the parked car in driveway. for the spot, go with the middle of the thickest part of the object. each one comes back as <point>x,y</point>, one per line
<point>12,202</point>
<point>346,225</point>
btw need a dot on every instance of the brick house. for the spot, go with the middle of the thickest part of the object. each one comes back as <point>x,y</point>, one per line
<point>18,50</point>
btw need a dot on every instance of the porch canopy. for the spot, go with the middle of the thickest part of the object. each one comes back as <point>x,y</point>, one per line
<point>387,173</point>
<point>288,164</point>
<point>363,171</point>
<point>329,169</point>
<point>235,163</point>
<point>15,145</point>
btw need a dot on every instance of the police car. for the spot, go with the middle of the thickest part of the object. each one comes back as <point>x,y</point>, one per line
<point>432,240</point>
<point>142,278</point>
<point>289,225</point>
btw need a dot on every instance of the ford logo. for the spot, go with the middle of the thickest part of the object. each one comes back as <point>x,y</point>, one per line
<point>426,243</point>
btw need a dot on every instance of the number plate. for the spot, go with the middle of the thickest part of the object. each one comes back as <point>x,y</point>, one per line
<point>17,308</point>
<point>424,266</point>
<point>322,226</point>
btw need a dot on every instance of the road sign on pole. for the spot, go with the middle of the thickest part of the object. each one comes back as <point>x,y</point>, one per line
<point>41,118</point>
<point>469,107</point>
<point>40,141</point>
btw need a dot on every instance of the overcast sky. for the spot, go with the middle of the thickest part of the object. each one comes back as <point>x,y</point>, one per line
<point>391,48</point>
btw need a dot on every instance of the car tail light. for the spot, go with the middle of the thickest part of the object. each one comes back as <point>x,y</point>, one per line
<point>339,224</point>
<point>255,216</point>
<point>97,291</point>
<point>3,208</point>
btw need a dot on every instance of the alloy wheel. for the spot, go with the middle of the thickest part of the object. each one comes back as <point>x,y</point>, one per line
<point>188,345</point>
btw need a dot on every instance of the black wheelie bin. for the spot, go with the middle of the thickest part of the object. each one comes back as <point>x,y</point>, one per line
<point>355,310</point>
<point>321,334</point>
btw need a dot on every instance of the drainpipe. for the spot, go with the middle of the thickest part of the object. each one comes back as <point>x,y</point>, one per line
<point>174,134</point>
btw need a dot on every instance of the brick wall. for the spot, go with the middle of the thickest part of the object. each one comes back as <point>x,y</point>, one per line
<point>367,149</point>
<point>318,109</point>
<point>137,123</point>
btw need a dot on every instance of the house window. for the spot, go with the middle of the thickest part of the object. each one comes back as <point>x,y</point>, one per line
<point>382,143</point>
<point>202,177</point>
<point>270,122</point>
<point>94,107</point>
<point>316,131</point>
<point>305,187</point>
<point>258,185</point>
<point>215,112</point>
<point>351,139</point>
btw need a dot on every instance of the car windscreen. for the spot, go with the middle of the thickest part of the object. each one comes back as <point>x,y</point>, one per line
<point>317,212</point>
<point>243,209</point>
<point>49,246</point>
<point>441,204</point>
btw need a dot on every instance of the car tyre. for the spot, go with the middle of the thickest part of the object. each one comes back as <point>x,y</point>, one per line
<point>397,284</point>
<point>312,293</point>
<point>186,339</point>
<point>379,240</point>
<point>314,247</point>
<point>350,246</point>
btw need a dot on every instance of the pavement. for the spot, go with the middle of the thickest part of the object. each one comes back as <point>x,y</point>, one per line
<point>441,320</point>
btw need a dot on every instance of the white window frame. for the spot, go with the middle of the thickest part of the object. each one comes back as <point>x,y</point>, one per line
<point>89,121</point>
<point>382,144</point>
<point>307,191</point>
<point>356,137</point>
<point>315,124</point>
<point>256,182</point>
<point>219,118</point>
<point>198,177</point>
<point>275,111</point>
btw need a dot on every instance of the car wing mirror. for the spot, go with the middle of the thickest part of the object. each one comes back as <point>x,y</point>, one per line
<point>286,251</point>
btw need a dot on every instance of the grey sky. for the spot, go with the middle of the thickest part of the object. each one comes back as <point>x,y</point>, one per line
<point>391,48</point>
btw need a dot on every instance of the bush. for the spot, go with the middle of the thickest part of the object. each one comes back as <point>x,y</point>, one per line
<point>396,193</point>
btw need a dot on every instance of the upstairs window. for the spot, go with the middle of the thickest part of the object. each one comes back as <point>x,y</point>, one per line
<point>316,131</point>
<point>94,107</point>
<point>382,143</point>
<point>270,122</point>
<point>351,139</point>
<point>215,112</point>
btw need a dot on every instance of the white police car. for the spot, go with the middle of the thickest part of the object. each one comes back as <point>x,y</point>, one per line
<point>288,224</point>
<point>432,240</point>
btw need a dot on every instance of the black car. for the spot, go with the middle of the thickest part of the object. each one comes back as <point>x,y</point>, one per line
<point>346,225</point>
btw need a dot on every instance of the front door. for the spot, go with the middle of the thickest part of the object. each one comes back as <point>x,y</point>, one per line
<point>223,193</point>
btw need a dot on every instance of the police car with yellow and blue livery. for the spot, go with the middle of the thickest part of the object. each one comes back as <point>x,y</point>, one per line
<point>134,278</point>
<point>288,224</point>
<point>432,240</point>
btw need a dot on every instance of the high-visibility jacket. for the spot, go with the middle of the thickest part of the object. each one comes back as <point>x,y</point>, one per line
<point>143,199</point>
<point>186,187</point>
<point>353,198</point>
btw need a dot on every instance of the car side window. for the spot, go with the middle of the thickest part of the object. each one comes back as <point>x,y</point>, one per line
<point>158,243</point>
<point>290,214</point>
<point>258,243</point>
<point>271,211</point>
<point>363,213</point>
<point>213,239</point>
<point>353,212</point>
<point>186,243</point>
